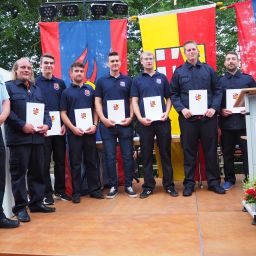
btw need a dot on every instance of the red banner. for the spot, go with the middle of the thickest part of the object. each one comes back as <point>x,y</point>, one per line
<point>245,18</point>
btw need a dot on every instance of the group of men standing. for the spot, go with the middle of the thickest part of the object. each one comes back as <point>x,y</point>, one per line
<point>31,149</point>
<point>194,75</point>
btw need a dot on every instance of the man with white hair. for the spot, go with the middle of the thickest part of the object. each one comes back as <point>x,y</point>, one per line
<point>26,142</point>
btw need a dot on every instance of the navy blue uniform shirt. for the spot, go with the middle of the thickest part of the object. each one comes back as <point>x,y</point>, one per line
<point>111,88</point>
<point>52,90</point>
<point>236,81</point>
<point>199,77</point>
<point>19,96</point>
<point>145,85</point>
<point>76,97</point>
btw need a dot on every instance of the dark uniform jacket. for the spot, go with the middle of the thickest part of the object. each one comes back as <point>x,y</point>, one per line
<point>236,81</point>
<point>199,77</point>
<point>19,96</point>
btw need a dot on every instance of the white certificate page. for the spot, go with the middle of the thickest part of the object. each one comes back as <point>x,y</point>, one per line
<point>35,114</point>
<point>198,102</point>
<point>153,108</point>
<point>83,118</point>
<point>56,124</point>
<point>231,97</point>
<point>116,111</point>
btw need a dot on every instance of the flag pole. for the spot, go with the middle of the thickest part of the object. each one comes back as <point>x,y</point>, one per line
<point>223,8</point>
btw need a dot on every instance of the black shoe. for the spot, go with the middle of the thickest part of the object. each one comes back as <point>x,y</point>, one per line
<point>146,193</point>
<point>48,200</point>
<point>113,192</point>
<point>172,191</point>
<point>76,198</point>
<point>8,223</point>
<point>62,197</point>
<point>97,195</point>
<point>41,208</point>
<point>23,216</point>
<point>217,189</point>
<point>188,191</point>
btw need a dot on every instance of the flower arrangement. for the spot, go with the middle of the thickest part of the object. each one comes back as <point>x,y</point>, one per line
<point>250,191</point>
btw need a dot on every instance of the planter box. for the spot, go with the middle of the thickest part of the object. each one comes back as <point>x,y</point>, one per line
<point>250,209</point>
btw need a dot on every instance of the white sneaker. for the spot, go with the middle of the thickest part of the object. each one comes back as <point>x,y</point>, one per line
<point>113,192</point>
<point>130,192</point>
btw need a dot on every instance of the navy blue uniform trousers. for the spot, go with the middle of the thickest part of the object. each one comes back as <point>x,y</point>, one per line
<point>83,147</point>
<point>162,131</point>
<point>56,146</point>
<point>229,139</point>
<point>27,160</point>
<point>125,138</point>
<point>192,131</point>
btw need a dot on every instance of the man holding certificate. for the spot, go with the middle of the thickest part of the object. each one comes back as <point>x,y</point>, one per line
<point>232,119</point>
<point>196,96</point>
<point>149,91</point>
<point>55,141</point>
<point>26,126</point>
<point>79,116</point>
<point>113,106</point>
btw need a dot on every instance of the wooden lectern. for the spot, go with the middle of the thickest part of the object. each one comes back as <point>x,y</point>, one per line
<point>247,98</point>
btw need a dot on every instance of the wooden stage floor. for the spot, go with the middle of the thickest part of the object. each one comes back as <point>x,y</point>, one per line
<point>203,224</point>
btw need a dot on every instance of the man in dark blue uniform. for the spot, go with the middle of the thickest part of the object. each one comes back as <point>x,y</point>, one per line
<point>4,112</point>
<point>81,143</point>
<point>194,75</point>
<point>26,142</point>
<point>232,125</point>
<point>149,84</point>
<point>52,88</point>
<point>116,86</point>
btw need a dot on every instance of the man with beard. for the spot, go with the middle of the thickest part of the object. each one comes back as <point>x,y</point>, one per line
<point>194,75</point>
<point>81,143</point>
<point>26,142</point>
<point>52,88</point>
<point>232,125</point>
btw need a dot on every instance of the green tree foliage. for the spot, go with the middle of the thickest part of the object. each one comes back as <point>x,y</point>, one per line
<point>19,33</point>
<point>226,34</point>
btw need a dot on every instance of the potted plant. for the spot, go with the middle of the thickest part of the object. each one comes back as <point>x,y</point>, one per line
<point>250,193</point>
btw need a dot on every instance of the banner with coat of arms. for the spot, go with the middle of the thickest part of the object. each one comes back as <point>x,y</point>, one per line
<point>165,33</point>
